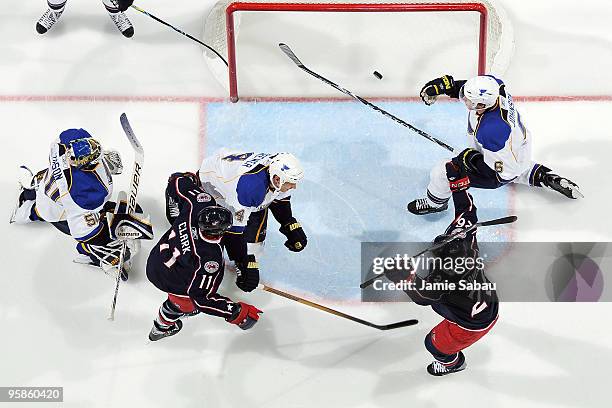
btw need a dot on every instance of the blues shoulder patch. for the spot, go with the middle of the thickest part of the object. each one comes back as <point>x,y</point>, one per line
<point>493,131</point>
<point>252,189</point>
<point>86,190</point>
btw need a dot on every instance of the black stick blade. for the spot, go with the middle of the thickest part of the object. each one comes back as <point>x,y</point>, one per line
<point>285,48</point>
<point>397,325</point>
<point>504,220</point>
<point>370,281</point>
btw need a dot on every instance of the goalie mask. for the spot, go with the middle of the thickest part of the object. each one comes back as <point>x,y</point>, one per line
<point>84,152</point>
<point>214,220</point>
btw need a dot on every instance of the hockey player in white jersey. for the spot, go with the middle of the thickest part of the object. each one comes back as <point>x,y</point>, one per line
<point>500,144</point>
<point>115,10</point>
<point>73,194</point>
<point>249,184</point>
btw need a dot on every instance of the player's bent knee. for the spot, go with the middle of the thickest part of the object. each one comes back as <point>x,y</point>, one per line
<point>429,345</point>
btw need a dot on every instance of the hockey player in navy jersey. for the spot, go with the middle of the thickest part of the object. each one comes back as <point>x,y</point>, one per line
<point>250,184</point>
<point>187,263</point>
<point>115,10</point>
<point>468,313</point>
<point>500,144</point>
<point>74,194</point>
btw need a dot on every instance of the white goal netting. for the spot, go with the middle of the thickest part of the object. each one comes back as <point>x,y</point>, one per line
<point>427,42</point>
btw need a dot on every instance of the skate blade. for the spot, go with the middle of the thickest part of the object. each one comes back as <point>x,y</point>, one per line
<point>572,187</point>
<point>13,215</point>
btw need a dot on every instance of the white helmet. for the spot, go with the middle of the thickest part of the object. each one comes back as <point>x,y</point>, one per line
<point>287,167</point>
<point>480,92</point>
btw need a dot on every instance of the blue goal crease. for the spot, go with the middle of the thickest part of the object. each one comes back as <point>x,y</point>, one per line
<point>361,170</point>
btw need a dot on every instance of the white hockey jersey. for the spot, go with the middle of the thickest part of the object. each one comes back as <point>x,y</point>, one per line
<point>502,138</point>
<point>72,194</point>
<point>240,182</point>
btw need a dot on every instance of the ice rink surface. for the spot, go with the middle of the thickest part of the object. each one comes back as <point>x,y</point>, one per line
<point>361,170</point>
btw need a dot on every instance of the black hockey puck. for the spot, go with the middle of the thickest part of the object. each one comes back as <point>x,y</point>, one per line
<point>377,74</point>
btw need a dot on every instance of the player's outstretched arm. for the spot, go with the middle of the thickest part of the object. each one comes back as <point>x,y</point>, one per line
<point>203,293</point>
<point>445,85</point>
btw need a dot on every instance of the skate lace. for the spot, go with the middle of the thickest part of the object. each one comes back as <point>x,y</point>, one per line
<point>422,203</point>
<point>48,19</point>
<point>438,367</point>
<point>121,21</point>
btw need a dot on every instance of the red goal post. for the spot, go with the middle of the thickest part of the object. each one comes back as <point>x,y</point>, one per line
<point>495,39</point>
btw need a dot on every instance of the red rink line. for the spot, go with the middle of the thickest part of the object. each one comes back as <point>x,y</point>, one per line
<point>204,100</point>
<point>542,98</point>
<point>107,98</point>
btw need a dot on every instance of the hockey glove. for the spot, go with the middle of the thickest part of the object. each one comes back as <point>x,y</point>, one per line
<point>458,179</point>
<point>398,275</point>
<point>466,160</point>
<point>296,238</point>
<point>244,315</point>
<point>112,159</point>
<point>436,87</point>
<point>129,226</point>
<point>248,274</point>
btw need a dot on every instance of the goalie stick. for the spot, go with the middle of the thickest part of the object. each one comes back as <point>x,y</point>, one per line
<point>131,202</point>
<point>498,221</point>
<point>285,48</point>
<point>391,326</point>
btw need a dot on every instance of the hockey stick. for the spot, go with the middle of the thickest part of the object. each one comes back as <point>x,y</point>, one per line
<point>498,221</point>
<point>391,326</point>
<point>131,203</point>
<point>285,48</point>
<point>159,20</point>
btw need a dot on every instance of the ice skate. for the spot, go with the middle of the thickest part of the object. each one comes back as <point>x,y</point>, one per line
<point>48,20</point>
<point>158,333</point>
<point>438,369</point>
<point>422,206</point>
<point>562,185</point>
<point>123,23</point>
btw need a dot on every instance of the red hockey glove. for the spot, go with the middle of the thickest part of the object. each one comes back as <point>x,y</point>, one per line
<point>244,316</point>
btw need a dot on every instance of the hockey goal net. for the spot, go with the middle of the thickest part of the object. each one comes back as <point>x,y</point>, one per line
<point>328,32</point>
